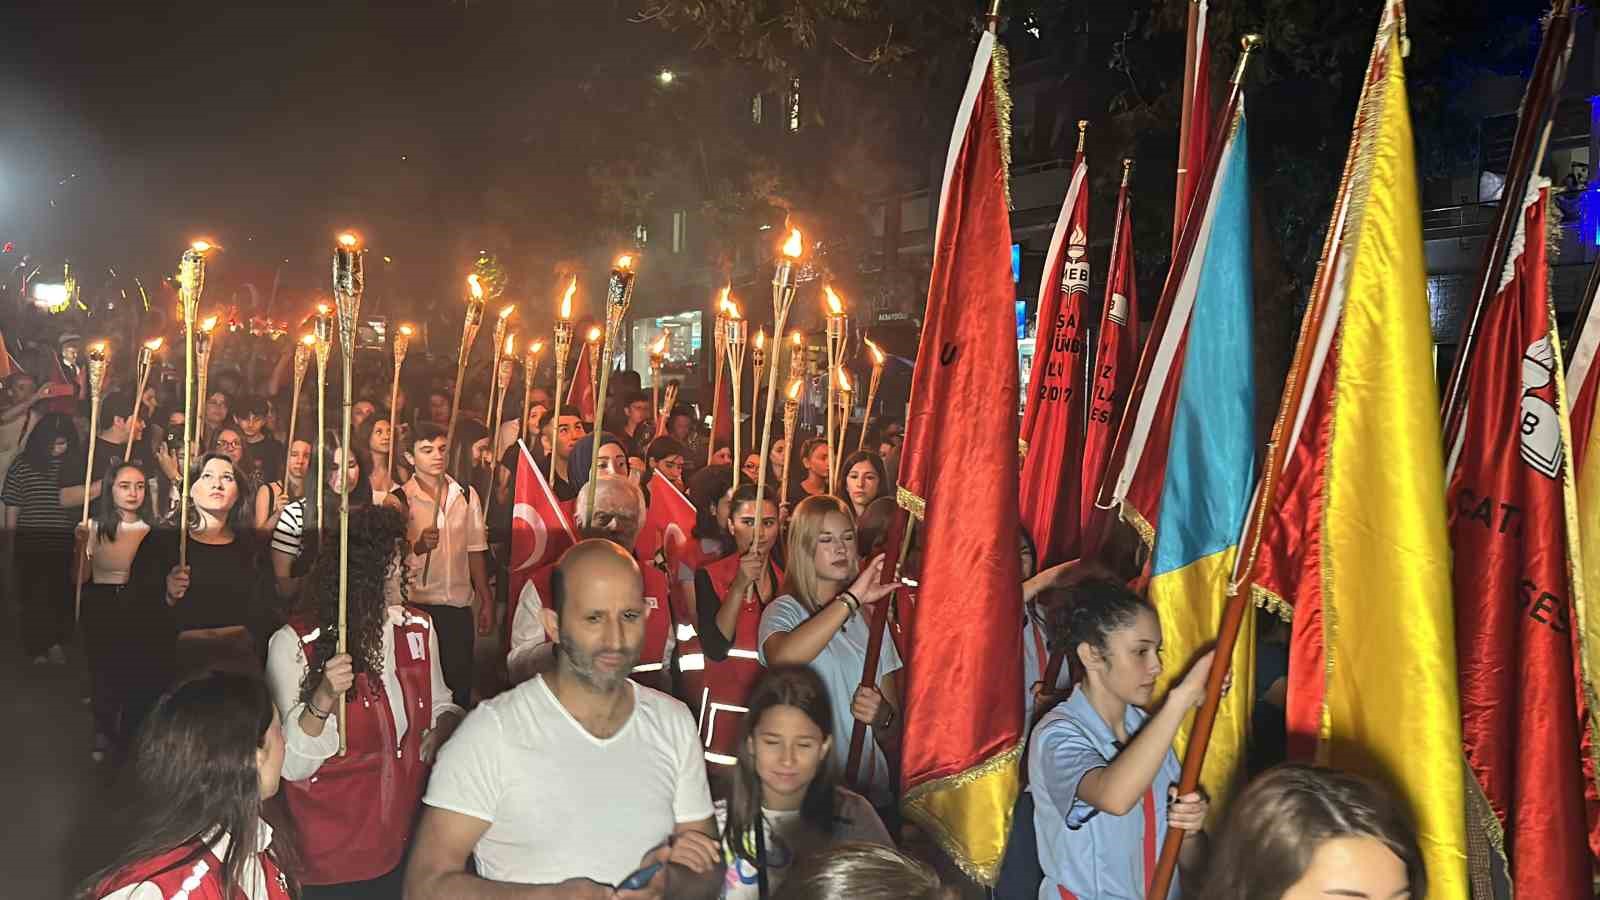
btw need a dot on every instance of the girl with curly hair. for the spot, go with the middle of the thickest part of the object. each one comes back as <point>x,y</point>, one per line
<point>353,812</point>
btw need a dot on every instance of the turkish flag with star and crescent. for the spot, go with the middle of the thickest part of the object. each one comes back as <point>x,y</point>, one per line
<point>540,532</point>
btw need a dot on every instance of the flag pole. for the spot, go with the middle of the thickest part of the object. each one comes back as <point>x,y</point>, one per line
<point>1191,62</point>
<point>1527,150</point>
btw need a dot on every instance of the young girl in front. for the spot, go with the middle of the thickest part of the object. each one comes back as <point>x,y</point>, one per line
<point>1101,769</point>
<point>784,781</point>
<point>117,631</point>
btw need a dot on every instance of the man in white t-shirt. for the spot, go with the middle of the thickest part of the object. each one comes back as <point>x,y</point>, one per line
<point>573,780</point>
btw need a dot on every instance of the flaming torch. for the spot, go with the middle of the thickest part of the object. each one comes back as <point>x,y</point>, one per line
<point>658,356</point>
<point>469,333</point>
<point>784,284</point>
<point>791,414</point>
<point>402,343</point>
<point>563,350</point>
<point>191,284</point>
<point>501,350</point>
<point>719,350</point>
<point>619,296</point>
<point>502,379</point>
<point>530,368</point>
<point>846,404</point>
<point>97,385</point>
<point>302,361</point>
<point>878,359</point>
<point>592,340</point>
<point>737,335</point>
<point>837,327</point>
<point>322,326</point>
<point>349,283</point>
<point>146,357</point>
<point>758,363</point>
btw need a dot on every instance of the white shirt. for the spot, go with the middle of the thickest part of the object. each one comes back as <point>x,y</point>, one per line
<point>287,666</point>
<point>253,881</point>
<point>528,636</point>
<point>789,840</point>
<point>562,803</point>
<point>460,524</point>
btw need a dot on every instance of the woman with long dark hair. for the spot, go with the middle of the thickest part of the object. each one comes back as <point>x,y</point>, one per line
<point>208,756</point>
<point>117,631</point>
<point>1301,832</point>
<point>297,536</point>
<point>353,812</point>
<point>209,601</point>
<point>861,480</point>
<point>812,462</point>
<point>373,441</point>
<point>719,658</point>
<point>821,622</point>
<point>273,496</point>
<point>41,526</point>
<point>786,786</point>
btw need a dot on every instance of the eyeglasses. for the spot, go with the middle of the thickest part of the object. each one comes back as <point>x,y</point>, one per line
<point>227,445</point>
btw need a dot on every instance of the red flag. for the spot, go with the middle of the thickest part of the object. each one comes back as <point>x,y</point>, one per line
<point>1510,498</point>
<point>963,694</point>
<point>1052,419</point>
<point>540,532</point>
<point>1196,125</point>
<point>668,523</point>
<point>581,392</point>
<point>1115,360</point>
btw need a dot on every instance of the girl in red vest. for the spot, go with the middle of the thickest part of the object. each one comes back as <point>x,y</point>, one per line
<point>721,664</point>
<point>353,813</point>
<point>207,757</point>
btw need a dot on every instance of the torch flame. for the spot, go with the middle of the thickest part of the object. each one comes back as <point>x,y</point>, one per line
<point>624,262</point>
<point>761,340</point>
<point>200,246</point>
<point>566,299</point>
<point>310,340</point>
<point>796,338</point>
<point>835,308</point>
<point>794,389</point>
<point>877,354</point>
<point>506,311</point>
<point>348,239</point>
<point>725,301</point>
<point>594,335</point>
<point>322,309</point>
<point>97,350</point>
<point>208,324</point>
<point>733,311</point>
<point>536,348</point>
<point>660,346</point>
<point>407,330</point>
<point>794,246</point>
<point>474,286</point>
<point>154,344</point>
<point>844,381</point>
<point>511,345</point>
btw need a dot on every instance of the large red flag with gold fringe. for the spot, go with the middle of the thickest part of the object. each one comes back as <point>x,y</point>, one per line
<point>963,697</point>
<point>1517,585</point>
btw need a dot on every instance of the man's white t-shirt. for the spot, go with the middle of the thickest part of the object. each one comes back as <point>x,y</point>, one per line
<point>562,803</point>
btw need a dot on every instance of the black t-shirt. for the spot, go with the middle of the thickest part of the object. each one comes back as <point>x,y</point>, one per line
<point>512,458</point>
<point>264,459</point>
<point>222,580</point>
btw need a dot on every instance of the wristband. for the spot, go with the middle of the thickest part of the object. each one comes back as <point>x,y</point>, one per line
<point>312,708</point>
<point>851,602</point>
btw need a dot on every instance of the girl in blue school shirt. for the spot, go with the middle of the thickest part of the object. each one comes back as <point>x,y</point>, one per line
<point>1101,769</point>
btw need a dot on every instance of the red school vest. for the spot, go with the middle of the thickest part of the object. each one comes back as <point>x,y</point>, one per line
<point>718,691</point>
<point>199,879</point>
<point>353,818</point>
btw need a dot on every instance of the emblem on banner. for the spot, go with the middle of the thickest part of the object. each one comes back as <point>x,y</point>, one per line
<point>1539,428</point>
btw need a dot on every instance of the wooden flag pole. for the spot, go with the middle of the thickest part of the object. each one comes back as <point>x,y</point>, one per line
<point>879,624</point>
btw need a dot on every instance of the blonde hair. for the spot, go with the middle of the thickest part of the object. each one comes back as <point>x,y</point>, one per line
<point>805,525</point>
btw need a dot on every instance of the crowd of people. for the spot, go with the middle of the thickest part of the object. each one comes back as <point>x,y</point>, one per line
<point>651,718</point>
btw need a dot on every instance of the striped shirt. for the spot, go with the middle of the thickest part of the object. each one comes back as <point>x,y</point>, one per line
<point>288,534</point>
<point>42,522</point>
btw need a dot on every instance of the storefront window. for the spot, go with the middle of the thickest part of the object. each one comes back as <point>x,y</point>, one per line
<point>684,338</point>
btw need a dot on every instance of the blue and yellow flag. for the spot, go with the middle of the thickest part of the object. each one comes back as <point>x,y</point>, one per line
<point>1210,462</point>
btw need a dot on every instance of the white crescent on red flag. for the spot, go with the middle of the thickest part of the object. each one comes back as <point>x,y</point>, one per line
<point>668,523</point>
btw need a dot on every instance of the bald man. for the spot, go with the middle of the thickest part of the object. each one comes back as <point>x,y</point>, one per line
<point>573,780</point>
<point>619,513</point>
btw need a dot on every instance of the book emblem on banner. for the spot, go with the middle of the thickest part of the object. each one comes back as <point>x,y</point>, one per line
<point>1075,273</point>
<point>1119,309</point>
<point>1539,427</point>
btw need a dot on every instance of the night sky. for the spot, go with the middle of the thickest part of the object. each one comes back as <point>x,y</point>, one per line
<point>271,128</point>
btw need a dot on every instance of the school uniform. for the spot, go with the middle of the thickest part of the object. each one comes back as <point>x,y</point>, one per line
<point>447,588</point>
<point>191,872</point>
<point>1087,853</point>
<point>718,674</point>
